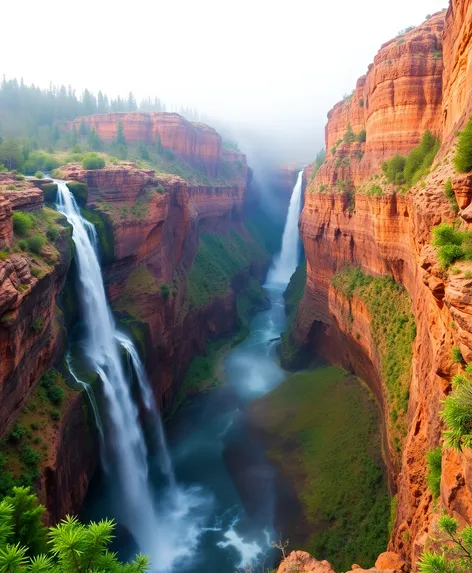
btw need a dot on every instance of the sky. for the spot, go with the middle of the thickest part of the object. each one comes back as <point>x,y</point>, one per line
<point>271,69</point>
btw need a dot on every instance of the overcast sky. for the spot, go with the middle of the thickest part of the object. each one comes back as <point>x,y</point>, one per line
<point>275,66</point>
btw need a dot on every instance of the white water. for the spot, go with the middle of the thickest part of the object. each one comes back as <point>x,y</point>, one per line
<point>151,407</point>
<point>125,453</point>
<point>286,263</point>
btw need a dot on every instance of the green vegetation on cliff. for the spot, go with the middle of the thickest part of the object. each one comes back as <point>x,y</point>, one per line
<point>292,296</point>
<point>322,430</point>
<point>463,156</point>
<point>457,412</point>
<point>219,259</point>
<point>69,547</point>
<point>410,169</point>
<point>393,330</point>
<point>26,447</point>
<point>452,245</point>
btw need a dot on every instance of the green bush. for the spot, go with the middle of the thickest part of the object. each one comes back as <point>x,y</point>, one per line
<point>463,156</point>
<point>18,431</point>
<point>452,245</point>
<point>160,189</point>
<point>448,190</point>
<point>55,394</point>
<point>394,169</point>
<point>456,355</point>
<point>37,324</point>
<point>39,174</point>
<point>29,456</point>
<point>362,136</point>
<point>40,161</point>
<point>165,290</point>
<point>456,549</point>
<point>22,223</point>
<point>36,244</point>
<point>349,136</point>
<point>415,165</point>
<point>53,234</point>
<point>93,161</point>
<point>433,476</point>
<point>55,414</point>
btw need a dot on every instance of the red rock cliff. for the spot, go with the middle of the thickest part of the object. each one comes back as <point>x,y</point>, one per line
<point>197,143</point>
<point>391,235</point>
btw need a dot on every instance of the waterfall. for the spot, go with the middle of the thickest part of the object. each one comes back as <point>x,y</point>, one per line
<point>151,407</point>
<point>125,452</point>
<point>286,263</point>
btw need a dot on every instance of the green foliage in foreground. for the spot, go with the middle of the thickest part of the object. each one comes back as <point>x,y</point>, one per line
<point>433,477</point>
<point>323,427</point>
<point>453,245</point>
<point>410,169</point>
<point>456,549</point>
<point>70,547</point>
<point>457,412</point>
<point>463,156</point>
<point>393,331</point>
<point>219,259</point>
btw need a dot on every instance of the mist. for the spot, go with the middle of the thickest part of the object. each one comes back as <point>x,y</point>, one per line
<point>267,71</point>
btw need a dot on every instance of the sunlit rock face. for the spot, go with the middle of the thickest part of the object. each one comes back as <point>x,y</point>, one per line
<point>408,89</point>
<point>197,143</point>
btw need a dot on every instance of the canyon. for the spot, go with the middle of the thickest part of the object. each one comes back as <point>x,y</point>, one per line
<point>352,216</point>
<point>155,231</point>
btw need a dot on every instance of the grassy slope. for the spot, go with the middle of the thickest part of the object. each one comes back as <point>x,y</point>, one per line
<point>324,429</point>
<point>393,331</point>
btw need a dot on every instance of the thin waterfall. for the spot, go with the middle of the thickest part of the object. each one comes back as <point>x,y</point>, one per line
<point>286,263</point>
<point>125,451</point>
<point>151,407</point>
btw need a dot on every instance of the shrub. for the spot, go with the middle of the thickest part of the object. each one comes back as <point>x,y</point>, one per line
<point>420,159</point>
<point>349,136</point>
<point>18,431</point>
<point>143,152</point>
<point>93,161</point>
<point>433,476</point>
<point>394,168</point>
<point>165,290</point>
<point>40,161</point>
<point>22,223</point>
<point>160,189</point>
<point>29,456</point>
<point>437,55</point>
<point>463,156</point>
<point>361,136</point>
<point>36,271</point>
<point>456,355</point>
<point>36,243</point>
<point>415,165</point>
<point>52,234</point>
<point>4,255</point>
<point>39,174</point>
<point>37,324</point>
<point>456,549</point>
<point>55,394</point>
<point>55,414</point>
<point>448,190</point>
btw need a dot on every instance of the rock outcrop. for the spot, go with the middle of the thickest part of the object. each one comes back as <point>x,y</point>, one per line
<point>196,143</point>
<point>155,222</point>
<point>301,562</point>
<point>405,92</point>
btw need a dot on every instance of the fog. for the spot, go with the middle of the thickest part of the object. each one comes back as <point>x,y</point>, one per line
<point>269,69</point>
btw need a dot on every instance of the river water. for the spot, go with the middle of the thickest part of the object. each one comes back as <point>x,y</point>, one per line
<point>209,497</point>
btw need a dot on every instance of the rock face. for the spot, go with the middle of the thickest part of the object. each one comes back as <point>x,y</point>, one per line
<point>302,562</point>
<point>162,238</point>
<point>25,351</point>
<point>395,103</point>
<point>401,96</point>
<point>197,143</point>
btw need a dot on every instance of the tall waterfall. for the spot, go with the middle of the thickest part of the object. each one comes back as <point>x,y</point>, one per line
<point>286,263</point>
<point>125,454</point>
